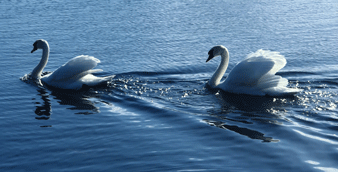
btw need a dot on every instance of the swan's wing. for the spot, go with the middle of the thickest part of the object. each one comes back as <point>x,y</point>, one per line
<point>256,76</point>
<point>248,72</point>
<point>266,55</point>
<point>75,68</point>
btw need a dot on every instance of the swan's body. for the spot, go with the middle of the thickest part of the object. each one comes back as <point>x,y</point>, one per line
<point>74,74</point>
<point>254,76</point>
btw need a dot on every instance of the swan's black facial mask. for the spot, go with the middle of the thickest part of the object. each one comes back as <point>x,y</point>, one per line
<point>34,47</point>
<point>211,55</point>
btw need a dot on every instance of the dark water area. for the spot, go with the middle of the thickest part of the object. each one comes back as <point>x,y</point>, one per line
<point>158,114</point>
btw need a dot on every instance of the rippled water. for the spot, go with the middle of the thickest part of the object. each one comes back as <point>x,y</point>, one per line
<point>158,114</point>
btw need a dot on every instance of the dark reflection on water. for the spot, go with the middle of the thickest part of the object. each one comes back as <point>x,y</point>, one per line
<point>245,110</point>
<point>243,131</point>
<point>43,110</point>
<point>78,100</point>
<point>249,103</point>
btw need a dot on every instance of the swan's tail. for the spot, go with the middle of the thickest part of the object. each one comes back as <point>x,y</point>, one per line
<point>275,85</point>
<point>282,91</point>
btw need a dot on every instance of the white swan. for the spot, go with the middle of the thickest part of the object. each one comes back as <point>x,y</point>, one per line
<point>74,74</point>
<point>255,75</point>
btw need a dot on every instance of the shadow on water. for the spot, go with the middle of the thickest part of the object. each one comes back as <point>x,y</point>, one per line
<point>78,100</point>
<point>43,110</point>
<point>243,131</point>
<point>247,103</point>
<point>232,103</point>
<point>240,109</point>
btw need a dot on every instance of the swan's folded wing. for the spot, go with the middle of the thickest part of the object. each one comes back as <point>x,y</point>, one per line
<point>75,68</point>
<point>266,55</point>
<point>249,71</point>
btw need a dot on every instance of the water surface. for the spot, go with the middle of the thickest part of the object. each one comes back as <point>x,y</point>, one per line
<point>158,114</point>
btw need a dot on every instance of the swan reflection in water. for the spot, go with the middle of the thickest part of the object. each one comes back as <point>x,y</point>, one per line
<point>78,100</point>
<point>239,110</point>
<point>43,110</point>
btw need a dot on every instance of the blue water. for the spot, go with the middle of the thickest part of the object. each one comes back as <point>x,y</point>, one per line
<point>158,114</point>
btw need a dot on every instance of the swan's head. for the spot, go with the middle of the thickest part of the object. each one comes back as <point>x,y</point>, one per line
<point>216,51</point>
<point>39,44</point>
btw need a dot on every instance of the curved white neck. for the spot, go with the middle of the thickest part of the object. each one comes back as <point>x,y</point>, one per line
<point>216,78</point>
<point>37,71</point>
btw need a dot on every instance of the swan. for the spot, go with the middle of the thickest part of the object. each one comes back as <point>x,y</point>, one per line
<point>255,75</point>
<point>74,75</point>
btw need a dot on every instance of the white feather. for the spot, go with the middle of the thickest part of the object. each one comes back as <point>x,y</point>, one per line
<point>71,75</point>
<point>255,75</point>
